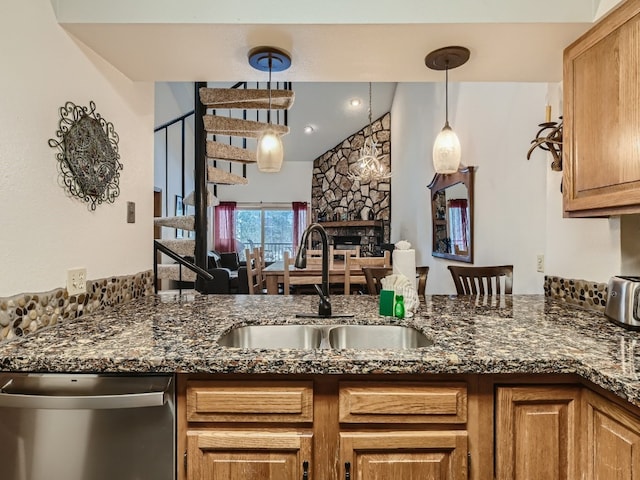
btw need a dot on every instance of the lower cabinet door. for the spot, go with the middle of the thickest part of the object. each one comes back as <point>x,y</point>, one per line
<point>536,433</point>
<point>437,455</point>
<point>612,439</point>
<point>248,455</point>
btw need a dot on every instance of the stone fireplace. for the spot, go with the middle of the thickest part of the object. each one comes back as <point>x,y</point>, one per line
<point>349,208</point>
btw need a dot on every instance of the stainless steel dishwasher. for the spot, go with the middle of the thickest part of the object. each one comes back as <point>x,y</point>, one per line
<point>87,427</point>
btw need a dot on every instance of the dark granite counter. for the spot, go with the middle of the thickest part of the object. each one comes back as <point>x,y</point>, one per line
<point>519,334</point>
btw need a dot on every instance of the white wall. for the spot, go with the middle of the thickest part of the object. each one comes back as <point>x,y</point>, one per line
<point>518,203</point>
<point>44,232</point>
<point>495,123</point>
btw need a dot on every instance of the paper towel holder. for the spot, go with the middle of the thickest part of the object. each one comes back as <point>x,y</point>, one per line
<point>452,214</point>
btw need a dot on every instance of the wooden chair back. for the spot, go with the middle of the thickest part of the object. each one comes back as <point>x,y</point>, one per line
<point>373,275</point>
<point>422,273</point>
<point>482,280</point>
<point>314,258</point>
<point>353,274</point>
<point>343,253</point>
<point>255,278</point>
<point>292,278</point>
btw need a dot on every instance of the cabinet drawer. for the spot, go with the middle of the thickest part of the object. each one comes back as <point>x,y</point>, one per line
<point>249,401</point>
<point>392,402</point>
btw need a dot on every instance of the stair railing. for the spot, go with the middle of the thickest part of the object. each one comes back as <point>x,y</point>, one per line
<point>157,246</point>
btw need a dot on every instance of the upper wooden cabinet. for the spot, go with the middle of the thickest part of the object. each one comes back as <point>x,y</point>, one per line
<point>602,117</point>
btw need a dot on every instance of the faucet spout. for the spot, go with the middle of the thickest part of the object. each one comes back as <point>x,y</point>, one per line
<point>324,307</point>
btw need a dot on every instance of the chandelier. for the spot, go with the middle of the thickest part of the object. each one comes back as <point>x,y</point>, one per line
<point>369,167</point>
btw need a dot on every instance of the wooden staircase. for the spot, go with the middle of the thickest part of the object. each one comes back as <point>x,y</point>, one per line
<point>226,141</point>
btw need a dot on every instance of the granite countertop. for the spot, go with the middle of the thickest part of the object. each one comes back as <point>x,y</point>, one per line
<point>170,333</point>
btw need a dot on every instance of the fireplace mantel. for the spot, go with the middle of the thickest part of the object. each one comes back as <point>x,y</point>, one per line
<point>352,223</point>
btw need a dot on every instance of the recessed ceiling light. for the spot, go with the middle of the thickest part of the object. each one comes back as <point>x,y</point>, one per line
<point>355,102</point>
<point>308,129</point>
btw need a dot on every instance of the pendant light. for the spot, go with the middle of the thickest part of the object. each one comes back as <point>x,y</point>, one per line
<point>269,152</point>
<point>446,148</point>
<point>369,166</point>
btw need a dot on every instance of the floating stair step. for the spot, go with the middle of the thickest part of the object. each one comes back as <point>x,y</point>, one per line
<point>171,271</point>
<point>237,127</point>
<point>224,151</point>
<point>181,246</point>
<point>184,222</point>
<point>246,99</point>
<point>221,177</point>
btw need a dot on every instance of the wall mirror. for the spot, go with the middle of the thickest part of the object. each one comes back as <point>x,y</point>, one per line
<point>452,214</point>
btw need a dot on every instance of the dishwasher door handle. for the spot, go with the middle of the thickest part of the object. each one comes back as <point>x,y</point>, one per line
<point>33,400</point>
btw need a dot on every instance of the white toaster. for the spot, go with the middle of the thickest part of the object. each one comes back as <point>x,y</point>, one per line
<point>622,301</point>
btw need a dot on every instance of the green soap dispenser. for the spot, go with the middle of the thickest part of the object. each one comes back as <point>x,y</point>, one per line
<point>398,309</point>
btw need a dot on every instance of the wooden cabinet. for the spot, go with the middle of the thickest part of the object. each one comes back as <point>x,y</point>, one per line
<point>281,430</point>
<point>430,449</point>
<point>601,117</point>
<point>612,437</point>
<point>537,432</point>
<point>248,430</point>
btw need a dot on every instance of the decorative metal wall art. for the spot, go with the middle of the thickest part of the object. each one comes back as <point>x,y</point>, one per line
<point>88,159</point>
<point>549,138</point>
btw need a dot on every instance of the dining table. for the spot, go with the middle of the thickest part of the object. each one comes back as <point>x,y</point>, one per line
<point>274,274</point>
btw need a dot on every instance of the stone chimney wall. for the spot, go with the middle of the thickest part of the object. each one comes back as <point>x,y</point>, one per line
<point>334,197</point>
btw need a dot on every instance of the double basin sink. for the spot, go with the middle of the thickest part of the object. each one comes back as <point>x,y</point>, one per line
<point>308,337</point>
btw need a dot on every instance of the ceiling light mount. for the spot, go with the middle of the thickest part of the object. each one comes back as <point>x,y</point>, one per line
<point>269,58</point>
<point>447,58</point>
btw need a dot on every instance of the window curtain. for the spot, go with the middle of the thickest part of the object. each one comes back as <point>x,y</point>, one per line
<point>299,221</point>
<point>459,223</point>
<point>224,230</point>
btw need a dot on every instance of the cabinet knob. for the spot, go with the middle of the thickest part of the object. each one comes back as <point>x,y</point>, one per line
<point>347,470</point>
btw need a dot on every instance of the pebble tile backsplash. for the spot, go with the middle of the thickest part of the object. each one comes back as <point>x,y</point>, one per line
<point>585,294</point>
<point>27,312</point>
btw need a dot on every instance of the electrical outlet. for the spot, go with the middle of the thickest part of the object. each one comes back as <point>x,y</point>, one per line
<point>540,263</point>
<point>76,281</point>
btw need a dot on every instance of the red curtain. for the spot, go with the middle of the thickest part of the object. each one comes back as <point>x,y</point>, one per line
<point>299,221</point>
<point>224,229</point>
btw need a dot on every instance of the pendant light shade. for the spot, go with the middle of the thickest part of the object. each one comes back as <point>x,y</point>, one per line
<point>269,152</point>
<point>446,148</point>
<point>446,151</point>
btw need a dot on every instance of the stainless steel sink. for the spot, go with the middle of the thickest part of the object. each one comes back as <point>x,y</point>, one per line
<point>325,336</point>
<point>273,336</point>
<point>377,337</point>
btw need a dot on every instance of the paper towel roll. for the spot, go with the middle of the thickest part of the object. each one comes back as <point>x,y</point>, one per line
<point>404,263</point>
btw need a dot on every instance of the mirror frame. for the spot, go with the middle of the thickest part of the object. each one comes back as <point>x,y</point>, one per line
<point>464,175</point>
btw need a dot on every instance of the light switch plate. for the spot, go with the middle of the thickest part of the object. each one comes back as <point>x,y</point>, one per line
<point>540,263</point>
<point>76,281</point>
<point>131,212</point>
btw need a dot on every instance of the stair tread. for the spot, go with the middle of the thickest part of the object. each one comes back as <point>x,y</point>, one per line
<point>181,246</point>
<point>246,99</point>
<point>184,222</point>
<point>222,177</point>
<point>171,271</point>
<point>238,127</point>
<point>224,151</point>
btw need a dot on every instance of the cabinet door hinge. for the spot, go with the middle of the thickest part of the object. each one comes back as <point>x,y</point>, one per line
<point>184,457</point>
<point>468,464</point>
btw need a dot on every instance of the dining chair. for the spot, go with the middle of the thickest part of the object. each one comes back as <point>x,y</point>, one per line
<point>482,280</point>
<point>292,280</point>
<point>353,266</point>
<point>373,275</point>
<point>422,272</point>
<point>255,278</point>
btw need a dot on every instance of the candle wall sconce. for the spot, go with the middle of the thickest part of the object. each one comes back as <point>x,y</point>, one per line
<point>549,138</point>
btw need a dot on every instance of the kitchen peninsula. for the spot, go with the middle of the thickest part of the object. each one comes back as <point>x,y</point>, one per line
<point>489,354</point>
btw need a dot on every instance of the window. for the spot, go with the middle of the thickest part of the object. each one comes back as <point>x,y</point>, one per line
<point>270,227</point>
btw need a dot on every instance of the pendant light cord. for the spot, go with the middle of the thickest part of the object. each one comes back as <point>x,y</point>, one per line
<point>269,87</point>
<point>446,93</point>
<point>370,129</point>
